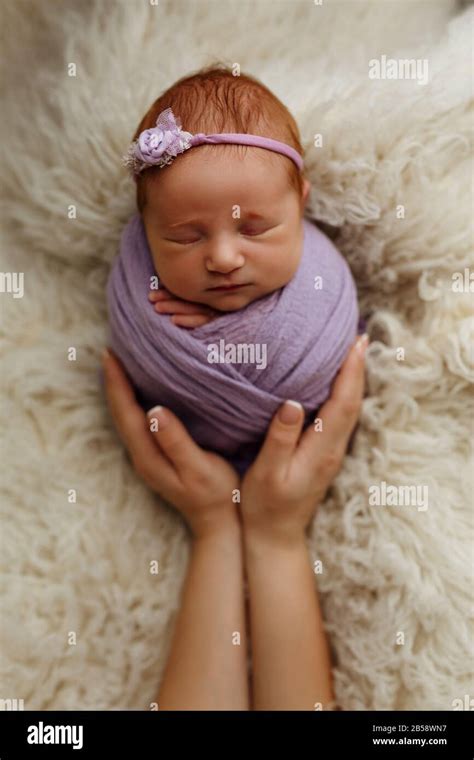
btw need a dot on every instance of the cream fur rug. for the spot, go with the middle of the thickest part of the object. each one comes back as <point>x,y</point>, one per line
<point>83,568</point>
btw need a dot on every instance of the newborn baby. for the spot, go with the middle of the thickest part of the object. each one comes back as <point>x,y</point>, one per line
<point>269,304</point>
<point>226,232</point>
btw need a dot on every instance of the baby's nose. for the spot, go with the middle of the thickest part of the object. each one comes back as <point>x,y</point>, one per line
<point>224,260</point>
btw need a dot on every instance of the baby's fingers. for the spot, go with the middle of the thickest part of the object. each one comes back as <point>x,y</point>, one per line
<point>159,295</point>
<point>180,307</point>
<point>191,320</point>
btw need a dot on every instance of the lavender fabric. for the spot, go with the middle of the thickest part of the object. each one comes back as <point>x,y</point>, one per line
<point>227,407</point>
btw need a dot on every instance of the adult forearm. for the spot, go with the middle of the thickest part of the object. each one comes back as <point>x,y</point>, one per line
<point>207,667</point>
<point>291,661</point>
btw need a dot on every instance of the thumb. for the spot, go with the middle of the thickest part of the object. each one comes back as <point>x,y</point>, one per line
<point>173,439</point>
<point>282,436</point>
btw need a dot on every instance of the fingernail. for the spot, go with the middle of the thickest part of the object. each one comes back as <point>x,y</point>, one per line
<point>105,354</point>
<point>290,412</point>
<point>159,413</point>
<point>362,344</point>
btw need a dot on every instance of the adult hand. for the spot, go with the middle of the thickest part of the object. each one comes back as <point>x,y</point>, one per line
<point>198,483</point>
<point>292,472</point>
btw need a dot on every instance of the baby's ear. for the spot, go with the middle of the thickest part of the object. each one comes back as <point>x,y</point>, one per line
<point>305,192</point>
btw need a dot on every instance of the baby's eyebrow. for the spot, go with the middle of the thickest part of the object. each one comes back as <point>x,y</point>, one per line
<point>183,224</point>
<point>247,215</point>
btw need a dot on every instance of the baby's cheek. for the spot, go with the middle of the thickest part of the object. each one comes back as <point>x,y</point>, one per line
<point>185,285</point>
<point>277,276</point>
<point>170,280</point>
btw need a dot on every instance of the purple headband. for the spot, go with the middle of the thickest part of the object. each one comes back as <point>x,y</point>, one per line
<point>160,145</point>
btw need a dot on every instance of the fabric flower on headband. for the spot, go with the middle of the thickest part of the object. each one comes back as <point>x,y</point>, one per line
<point>158,146</point>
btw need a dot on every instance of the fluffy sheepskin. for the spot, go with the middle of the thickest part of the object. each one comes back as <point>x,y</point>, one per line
<point>84,567</point>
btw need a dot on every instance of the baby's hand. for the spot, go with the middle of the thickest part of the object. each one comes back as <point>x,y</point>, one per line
<point>185,313</point>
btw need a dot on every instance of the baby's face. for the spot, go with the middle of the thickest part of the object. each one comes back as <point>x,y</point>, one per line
<point>214,221</point>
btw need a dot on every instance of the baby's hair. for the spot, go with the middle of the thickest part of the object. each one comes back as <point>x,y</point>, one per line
<point>213,99</point>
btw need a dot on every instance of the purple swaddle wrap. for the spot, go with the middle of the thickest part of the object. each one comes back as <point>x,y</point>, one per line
<point>227,407</point>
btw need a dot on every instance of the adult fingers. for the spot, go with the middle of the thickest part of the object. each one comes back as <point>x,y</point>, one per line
<point>131,422</point>
<point>338,416</point>
<point>174,441</point>
<point>282,437</point>
<point>126,412</point>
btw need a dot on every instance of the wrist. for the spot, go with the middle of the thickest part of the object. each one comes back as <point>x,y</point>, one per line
<point>258,540</point>
<point>228,530</point>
